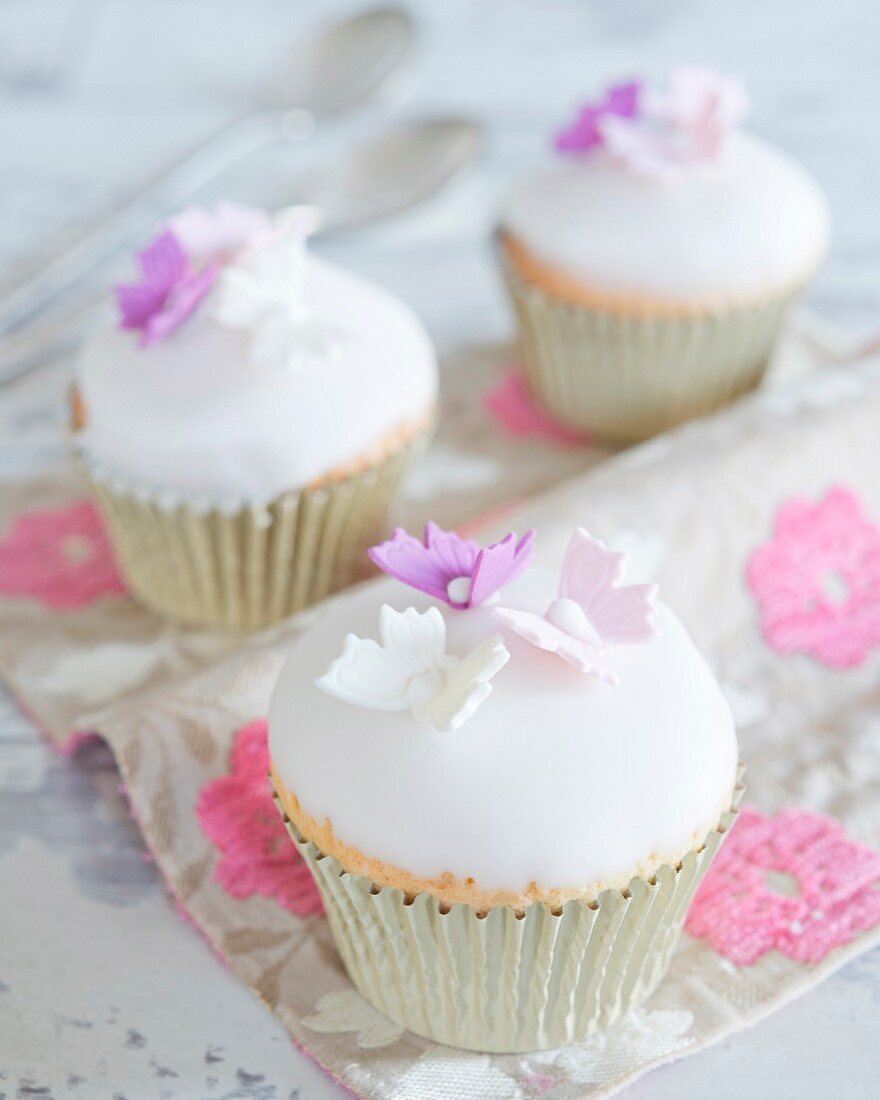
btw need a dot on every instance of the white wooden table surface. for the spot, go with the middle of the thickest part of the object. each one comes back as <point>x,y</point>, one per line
<point>104,992</point>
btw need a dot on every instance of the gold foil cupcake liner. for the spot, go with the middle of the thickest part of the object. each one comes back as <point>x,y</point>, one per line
<point>502,981</point>
<point>246,566</point>
<point>624,377</point>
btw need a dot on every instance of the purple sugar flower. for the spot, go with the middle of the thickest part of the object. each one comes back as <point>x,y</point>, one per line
<point>169,292</point>
<point>585,133</point>
<point>450,568</point>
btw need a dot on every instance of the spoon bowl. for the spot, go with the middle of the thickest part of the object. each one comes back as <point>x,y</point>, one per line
<point>377,179</point>
<point>389,174</point>
<point>346,65</point>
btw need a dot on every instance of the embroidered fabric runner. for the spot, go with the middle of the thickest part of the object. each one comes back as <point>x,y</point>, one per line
<point>762,526</point>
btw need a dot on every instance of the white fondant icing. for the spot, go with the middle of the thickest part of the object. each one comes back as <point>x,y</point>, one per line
<point>192,415</point>
<point>760,223</point>
<point>557,779</point>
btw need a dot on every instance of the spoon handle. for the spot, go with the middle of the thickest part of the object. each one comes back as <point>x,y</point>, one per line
<point>25,294</point>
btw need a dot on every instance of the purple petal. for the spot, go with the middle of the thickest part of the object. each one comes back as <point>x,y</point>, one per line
<point>180,304</point>
<point>443,556</point>
<point>137,303</point>
<point>624,99</point>
<point>406,559</point>
<point>586,131</point>
<point>500,564</point>
<point>583,135</point>
<point>454,554</point>
<point>164,263</point>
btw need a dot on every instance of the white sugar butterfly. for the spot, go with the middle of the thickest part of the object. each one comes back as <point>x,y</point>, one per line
<point>411,670</point>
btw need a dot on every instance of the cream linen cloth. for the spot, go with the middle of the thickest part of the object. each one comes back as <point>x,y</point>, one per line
<point>690,508</point>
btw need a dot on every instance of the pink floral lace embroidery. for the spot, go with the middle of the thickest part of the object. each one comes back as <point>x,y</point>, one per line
<point>60,557</point>
<point>817,582</point>
<point>792,883</point>
<point>237,814</point>
<point>513,406</point>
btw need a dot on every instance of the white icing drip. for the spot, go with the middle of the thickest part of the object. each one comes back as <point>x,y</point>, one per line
<point>554,779</point>
<point>760,223</point>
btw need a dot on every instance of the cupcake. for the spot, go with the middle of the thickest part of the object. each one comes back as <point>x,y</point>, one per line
<point>507,784</point>
<point>652,267</point>
<point>245,423</point>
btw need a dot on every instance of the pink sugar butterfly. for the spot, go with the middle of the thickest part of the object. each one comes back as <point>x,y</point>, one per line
<point>592,613</point>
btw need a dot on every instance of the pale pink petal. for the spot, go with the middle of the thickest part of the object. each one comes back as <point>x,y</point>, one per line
<point>219,233</point>
<point>624,616</point>
<point>583,656</point>
<point>588,568</point>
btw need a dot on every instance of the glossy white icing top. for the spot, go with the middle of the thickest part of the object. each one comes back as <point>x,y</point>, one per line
<point>192,415</point>
<point>754,222</point>
<point>557,778</point>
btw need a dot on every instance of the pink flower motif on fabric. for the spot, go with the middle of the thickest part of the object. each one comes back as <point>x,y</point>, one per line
<point>237,814</point>
<point>169,292</point>
<point>458,571</point>
<point>60,557</point>
<point>512,404</point>
<point>792,883</point>
<point>592,613</point>
<point>817,582</point>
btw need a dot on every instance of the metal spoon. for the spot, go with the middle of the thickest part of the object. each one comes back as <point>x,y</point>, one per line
<point>345,66</point>
<point>388,174</point>
<point>375,180</point>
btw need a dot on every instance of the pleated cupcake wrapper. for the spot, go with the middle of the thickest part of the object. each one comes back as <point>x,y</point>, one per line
<point>504,983</point>
<point>249,565</point>
<point>625,377</point>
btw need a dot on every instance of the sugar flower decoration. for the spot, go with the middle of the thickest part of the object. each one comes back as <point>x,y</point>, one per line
<point>170,290</point>
<point>410,670</point>
<point>450,568</point>
<point>219,234</point>
<point>585,133</point>
<point>662,133</point>
<point>702,104</point>
<point>592,613</point>
<point>263,294</point>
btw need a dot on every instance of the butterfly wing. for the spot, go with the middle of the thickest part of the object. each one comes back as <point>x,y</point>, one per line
<point>583,656</point>
<point>625,615</point>
<point>467,685</point>
<point>589,568</point>
<point>378,676</point>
